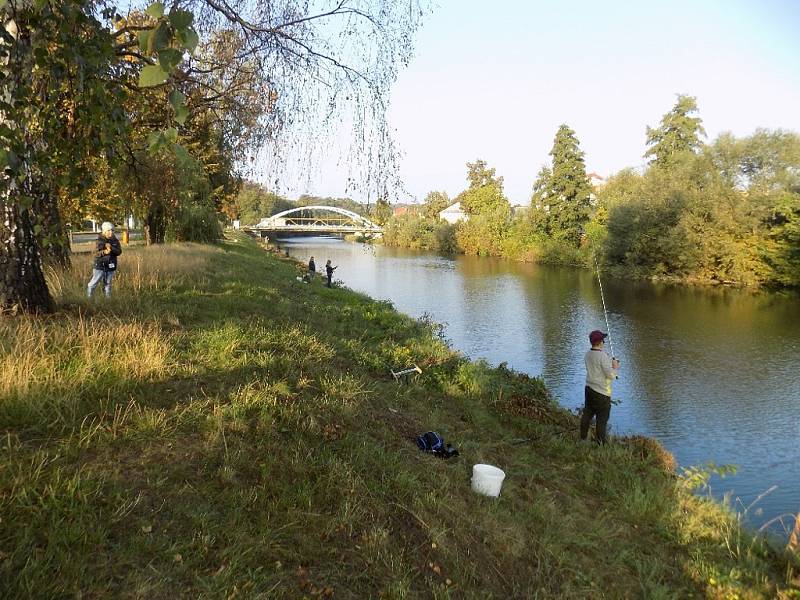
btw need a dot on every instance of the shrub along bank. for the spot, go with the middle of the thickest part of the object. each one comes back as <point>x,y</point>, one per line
<point>218,429</point>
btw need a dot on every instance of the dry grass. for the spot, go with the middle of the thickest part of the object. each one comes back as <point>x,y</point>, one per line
<point>57,371</point>
<point>62,354</point>
<point>142,269</point>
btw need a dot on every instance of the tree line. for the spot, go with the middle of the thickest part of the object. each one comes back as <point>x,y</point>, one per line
<point>160,111</point>
<point>721,212</point>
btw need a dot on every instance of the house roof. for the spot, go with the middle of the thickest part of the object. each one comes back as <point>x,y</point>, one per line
<point>453,208</point>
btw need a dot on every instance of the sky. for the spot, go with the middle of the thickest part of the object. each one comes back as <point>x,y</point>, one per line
<point>496,83</point>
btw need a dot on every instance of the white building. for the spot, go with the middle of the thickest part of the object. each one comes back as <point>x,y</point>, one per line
<point>519,209</point>
<point>596,180</point>
<point>453,214</point>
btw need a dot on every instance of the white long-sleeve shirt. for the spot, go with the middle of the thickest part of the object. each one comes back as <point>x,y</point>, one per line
<point>599,372</point>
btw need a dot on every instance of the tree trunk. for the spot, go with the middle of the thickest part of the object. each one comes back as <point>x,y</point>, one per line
<point>155,224</point>
<point>54,240</point>
<point>22,283</point>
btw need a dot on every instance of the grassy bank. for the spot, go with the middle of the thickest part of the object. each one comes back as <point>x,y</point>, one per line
<point>219,430</point>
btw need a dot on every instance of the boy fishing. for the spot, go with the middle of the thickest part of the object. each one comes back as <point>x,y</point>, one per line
<point>600,370</point>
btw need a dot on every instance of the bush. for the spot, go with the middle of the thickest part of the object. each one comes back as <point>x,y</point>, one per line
<point>446,238</point>
<point>195,223</point>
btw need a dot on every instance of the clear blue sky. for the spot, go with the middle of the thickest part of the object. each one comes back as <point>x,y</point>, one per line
<point>496,83</point>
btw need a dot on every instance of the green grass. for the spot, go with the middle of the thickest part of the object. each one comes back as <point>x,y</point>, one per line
<point>219,430</point>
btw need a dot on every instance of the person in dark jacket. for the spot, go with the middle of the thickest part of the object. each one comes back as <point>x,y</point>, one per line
<point>312,269</point>
<point>107,251</point>
<point>329,271</point>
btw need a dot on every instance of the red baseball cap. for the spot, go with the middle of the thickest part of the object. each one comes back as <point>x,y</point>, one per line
<point>597,336</point>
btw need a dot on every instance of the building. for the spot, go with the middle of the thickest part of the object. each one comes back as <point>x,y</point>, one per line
<point>596,180</point>
<point>405,209</point>
<point>453,214</point>
<point>519,209</point>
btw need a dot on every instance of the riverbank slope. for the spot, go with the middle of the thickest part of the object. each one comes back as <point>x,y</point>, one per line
<point>219,429</point>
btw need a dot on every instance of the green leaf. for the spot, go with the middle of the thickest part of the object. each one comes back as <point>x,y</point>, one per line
<point>169,58</point>
<point>152,75</point>
<point>178,102</point>
<point>162,37</point>
<point>154,141</point>
<point>176,99</point>
<point>180,19</point>
<point>144,41</point>
<point>155,10</point>
<point>188,39</point>
<point>171,135</point>
<point>181,114</point>
<point>181,153</point>
<point>8,160</point>
<point>151,43</point>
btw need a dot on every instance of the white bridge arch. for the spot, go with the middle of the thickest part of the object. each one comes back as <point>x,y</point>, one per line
<point>347,222</point>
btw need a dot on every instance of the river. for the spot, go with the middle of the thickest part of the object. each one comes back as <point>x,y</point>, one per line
<point>714,374</point>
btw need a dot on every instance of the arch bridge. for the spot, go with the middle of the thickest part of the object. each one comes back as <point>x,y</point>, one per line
<point>315,220</point>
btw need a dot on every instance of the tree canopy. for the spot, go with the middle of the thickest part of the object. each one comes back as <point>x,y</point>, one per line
<point>562,192</point>
<point>725,212</point>
<point>216,84</point>
<point>435,202</point>
<point>678,133</point>
<point>485,192</point>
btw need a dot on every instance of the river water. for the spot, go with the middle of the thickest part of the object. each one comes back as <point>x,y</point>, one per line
<point>714,374</point>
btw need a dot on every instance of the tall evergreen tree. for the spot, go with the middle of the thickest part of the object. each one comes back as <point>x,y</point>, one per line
<point>541,187</point>
<point>562,194</point>
<point>678,133</point>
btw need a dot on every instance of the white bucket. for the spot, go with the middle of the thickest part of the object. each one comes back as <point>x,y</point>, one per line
<point>487,480</point>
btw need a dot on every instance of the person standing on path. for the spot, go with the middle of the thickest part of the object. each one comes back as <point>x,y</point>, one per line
<point>329,271</point>
<point>312,269</point>
<point>107,249</point>
<point>600,370</point>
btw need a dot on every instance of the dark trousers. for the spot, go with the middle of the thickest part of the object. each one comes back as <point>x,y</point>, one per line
<point>599,405</point>
<point>330,276</point>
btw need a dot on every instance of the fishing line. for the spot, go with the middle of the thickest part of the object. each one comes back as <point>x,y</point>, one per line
<point>605,312</point>
<point>603,299</point>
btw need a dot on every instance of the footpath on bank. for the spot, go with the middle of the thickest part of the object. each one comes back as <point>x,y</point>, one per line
<point>219,429</point>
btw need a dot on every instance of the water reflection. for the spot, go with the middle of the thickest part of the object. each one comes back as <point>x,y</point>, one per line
<point>712,373</point>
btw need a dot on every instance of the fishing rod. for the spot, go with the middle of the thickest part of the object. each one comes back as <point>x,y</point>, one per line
<point>605,312</point>
<point>603,300</point>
